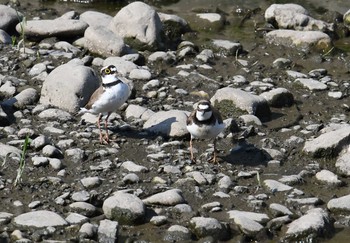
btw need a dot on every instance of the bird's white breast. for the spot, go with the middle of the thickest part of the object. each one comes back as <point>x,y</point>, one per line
<point>112,98</point>
<point>205,131</point>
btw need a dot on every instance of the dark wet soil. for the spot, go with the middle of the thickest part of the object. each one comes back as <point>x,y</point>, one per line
<point>309,108</point>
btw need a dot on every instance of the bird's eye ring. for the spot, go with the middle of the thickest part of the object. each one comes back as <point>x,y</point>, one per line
<point>107,71</point>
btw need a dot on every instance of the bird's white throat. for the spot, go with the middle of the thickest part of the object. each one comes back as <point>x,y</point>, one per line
<point>203,116</point>
<point>109,79</point>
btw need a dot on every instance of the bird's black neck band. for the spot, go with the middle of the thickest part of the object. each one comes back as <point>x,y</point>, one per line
<point>107,85</point>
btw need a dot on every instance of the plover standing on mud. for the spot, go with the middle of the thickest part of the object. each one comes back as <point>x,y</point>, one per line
<point>205,122</point>
<point>109,97</point>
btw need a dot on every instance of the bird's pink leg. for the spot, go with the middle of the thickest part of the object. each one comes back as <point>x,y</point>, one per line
<point>191,150</point>
<point>99,127</point>
<point>106,139</point>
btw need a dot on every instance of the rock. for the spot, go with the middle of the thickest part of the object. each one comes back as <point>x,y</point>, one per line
<point>4,37</point>
<point>77,82</point>
<point>62,28</point>
<point>124,208</point>
<point>136,111</point>
<point>132,167</point>
<point>246,223</point>
<point>83,208</point>
<point>346,18</point>
<point>257,217</point>
<point>96,19</point>
<point>276,186</point>
<point>88,230</point>
<point>343,162</point>
<point>173,27</point>
<point>279,210</point>
<point>310,201</point>
<point>279,97</point>
<point>311,84</point>
<point>210,22</point>
<point>177,233</point>
<point>302,40</point>
<point>167,198</point>
<point>139,25</point>
<point>75,218</point>
<point>162,56</point>
<point>253,104</point>
<point>9,18</point>
<point>104,42</point>
<point>26,97</point>
<point>227,47</point>
<point>328,177</point>
<point>328,144</point>
<point>316,222</point>
<point>203,227</point>
<point>37,69</point>
<point>91,182</point>
<point>293,16</point>
<point>108,231</point>
<point>39,219</point>
<point>340,204</point>
<point>52,151</point>
<point>168,123</point>
<point>140,74</point>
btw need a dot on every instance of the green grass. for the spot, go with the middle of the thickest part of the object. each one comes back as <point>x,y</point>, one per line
<point>22,161</point>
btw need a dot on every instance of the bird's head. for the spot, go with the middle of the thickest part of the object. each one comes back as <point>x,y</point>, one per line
<point>203,111</point>
<point>109,74</point>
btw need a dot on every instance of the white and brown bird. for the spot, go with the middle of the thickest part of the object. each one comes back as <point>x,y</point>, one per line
<point>109,97</point>
<point>205,122</point>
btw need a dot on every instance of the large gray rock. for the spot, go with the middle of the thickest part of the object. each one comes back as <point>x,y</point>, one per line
<point>316,222</point>
<point>328,144</point>
<point>168,123</point>
<point>343,162</point>
<point>139,25</point>
<point>248,222</point>
<point>340,204</point>
<point>301,40</point>
<point>8,149</point>
<point>108,231</point>
<point>4,37</point>
<point>279,97</point>
<point>311,84</point>
<point>168,198</point>
<point>95,19</point>
<point>9,17</point>
<point>124,208</point>
<point>253,104</point>
<point>63,28</point>
<point>293,16</point>
<point>26,97</point>
<point>104,42</point>
<point>69,87</point>
<point>39,219</point>
<point>203,227</point>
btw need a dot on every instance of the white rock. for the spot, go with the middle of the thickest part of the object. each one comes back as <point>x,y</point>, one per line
<point>340,204</point>
<point>167,198</point>
<point>311,84</point>
<point>203,227</point>
<point>303,40</point>
<point>211,17</point>
<point>169,123</point>
<point>108,231</point>
<point>95,19</point>
<point>124,208</point>
<point>104,42</point>
<point>257,217</point>
<point>132,167</point>
<point>39,219</point>
<point>63,28</point>
<point>140,21</point>
<point>276,186</point>
<point>77,82</point>
<point>328,144</point>
<point>328,177</point>
<point>75,218</point>
<point>343,162</point>
<point>278,97</point>
<point>253,104</point>
<point>315,221</point>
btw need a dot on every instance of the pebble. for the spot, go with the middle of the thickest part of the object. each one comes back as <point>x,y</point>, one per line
<point>167,198</point>
<point>39,219</point>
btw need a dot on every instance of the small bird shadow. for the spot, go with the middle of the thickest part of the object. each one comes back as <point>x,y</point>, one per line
<point>246,154</point>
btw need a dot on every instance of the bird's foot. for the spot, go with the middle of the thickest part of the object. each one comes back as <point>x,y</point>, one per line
<point>214,160</point>
<point>104,139</point>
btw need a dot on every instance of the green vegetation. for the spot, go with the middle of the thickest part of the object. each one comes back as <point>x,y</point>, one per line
<point>22,161</point>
